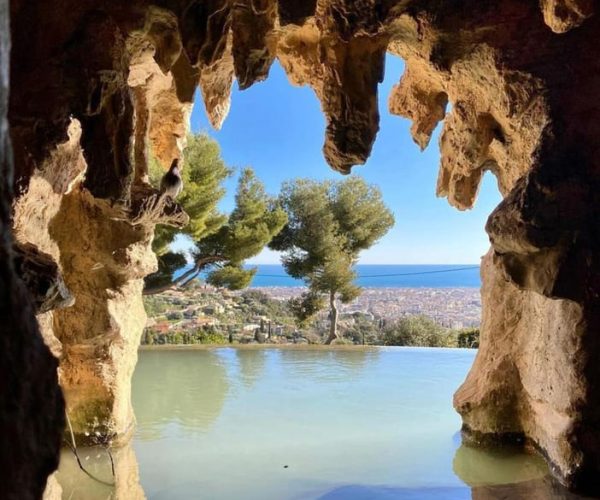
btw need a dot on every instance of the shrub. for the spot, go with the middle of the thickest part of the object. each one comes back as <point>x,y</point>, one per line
<point>468,338</point>
<point>211,338</point>
<point>342,341</point>
<point>416,331</point>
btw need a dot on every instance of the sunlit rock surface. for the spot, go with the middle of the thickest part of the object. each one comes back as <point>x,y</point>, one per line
<point>102,262</point>
<point>515,83</point>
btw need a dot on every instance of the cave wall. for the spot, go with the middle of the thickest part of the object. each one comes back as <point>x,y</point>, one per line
<point>87,204</point>
<point>515,83</point>
<point>31,404</point>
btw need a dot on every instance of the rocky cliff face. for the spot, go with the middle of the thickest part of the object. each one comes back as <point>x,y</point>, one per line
<point>31,405</point>
<point>515,83</point>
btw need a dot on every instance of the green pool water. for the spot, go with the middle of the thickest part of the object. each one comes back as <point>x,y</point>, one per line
<point>304,423</point>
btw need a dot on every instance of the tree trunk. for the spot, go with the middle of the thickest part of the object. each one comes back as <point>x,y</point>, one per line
<point>333,316</point>
<point>186,277</point>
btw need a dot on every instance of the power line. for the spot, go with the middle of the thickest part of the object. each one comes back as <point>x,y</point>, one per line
<point>383,275</point>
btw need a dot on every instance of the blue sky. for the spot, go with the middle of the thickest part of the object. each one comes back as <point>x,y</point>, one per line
<point>278,130</point>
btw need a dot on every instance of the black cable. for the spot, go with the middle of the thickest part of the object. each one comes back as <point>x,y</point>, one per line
<point>380,275</point>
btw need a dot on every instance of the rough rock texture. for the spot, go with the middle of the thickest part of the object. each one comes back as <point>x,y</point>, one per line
<point>515,84</point>
<point>103,264</point>
<point>42,277</point>
<point>100,333</point>
<point>524,382</point>
<point>31,405</point>
<point>562,15</point>
<point>53,490</point>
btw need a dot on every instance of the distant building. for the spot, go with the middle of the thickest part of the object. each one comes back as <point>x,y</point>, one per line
<point>250,327</point>
<point>213,309</point>
<point>162,327</point>
<point>205,321</point>
<point>190,313</point>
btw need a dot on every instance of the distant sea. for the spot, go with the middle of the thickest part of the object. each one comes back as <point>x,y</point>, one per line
<point>386,276</point>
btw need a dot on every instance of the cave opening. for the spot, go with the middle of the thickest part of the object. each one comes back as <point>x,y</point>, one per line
<point>91,87</point>
<point>276,129</point>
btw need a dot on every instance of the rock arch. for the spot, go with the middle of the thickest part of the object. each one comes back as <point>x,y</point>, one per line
<point>88,83</point>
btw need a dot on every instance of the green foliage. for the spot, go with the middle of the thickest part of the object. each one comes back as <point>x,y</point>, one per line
<point>468,338</point>
<point>305,307</point>
<point>231,312</point>
<point>342,341</point>
<point>222,243</point>
<point>168,263</point>
<point>329,224</point>
<point>208,336</point>
<point>231,277</point>
<point>363,328</point>
<point>258,303</point>
<point>417,331</point>
<point>203,174</point>
<point>155,305</point>
<point>256,219</point>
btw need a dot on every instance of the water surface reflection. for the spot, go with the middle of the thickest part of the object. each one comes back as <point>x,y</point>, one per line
<point>179,389</point>
<point>313,423</point>
<point>77,485</point>
<point>251,365</point>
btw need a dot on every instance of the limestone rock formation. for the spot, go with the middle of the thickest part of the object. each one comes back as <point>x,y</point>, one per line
<point>53,490</point>
<point>43,279</point>
<point>103,264</point>
<point>95,87</point>
<point>562,15</point>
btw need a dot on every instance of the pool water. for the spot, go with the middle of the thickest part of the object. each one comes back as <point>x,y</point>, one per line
<point>302,423</point>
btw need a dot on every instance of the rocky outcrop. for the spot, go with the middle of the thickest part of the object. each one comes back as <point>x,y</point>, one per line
<point>102,265</point>
<point>514,83</point>
<point>100,333</point>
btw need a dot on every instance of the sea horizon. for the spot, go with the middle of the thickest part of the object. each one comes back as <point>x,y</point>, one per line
<point>383,276</point>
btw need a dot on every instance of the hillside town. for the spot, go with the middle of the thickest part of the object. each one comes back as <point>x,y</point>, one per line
<point>202,314</point>
<point>449,307</point>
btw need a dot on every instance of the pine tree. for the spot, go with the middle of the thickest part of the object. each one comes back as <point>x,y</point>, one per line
<point>329,224</point>
<point>221,243</point>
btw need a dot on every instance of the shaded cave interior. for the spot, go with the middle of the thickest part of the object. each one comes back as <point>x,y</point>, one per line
<point>91,88</point>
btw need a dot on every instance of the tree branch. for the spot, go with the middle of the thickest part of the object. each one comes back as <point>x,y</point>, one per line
<point>189,280</point>
<point>186,277</point>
